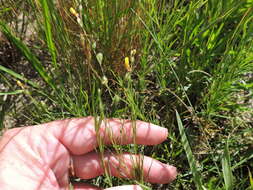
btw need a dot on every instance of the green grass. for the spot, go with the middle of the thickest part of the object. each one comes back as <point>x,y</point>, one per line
<point>195,57</point>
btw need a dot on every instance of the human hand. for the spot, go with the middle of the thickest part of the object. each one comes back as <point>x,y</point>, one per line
<point>38,157</point>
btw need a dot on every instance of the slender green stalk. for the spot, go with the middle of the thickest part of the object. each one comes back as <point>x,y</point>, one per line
<point>48,30</point>
<point>226,169</point>
<point>28,54</point>
<point>191,159</point>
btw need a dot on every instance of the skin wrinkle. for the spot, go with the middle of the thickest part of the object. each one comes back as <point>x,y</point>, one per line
<point>68,139</point>
<point>60,160</point>
<point>23,151</point>
<point>12,133</point>
<point>62,177</point>
<point>51,156</point>
<point>36,159</point>
<point>50,175</point>
<point>59,157</point>
<point>25,155</point>
<point>25,182</point>
<point>57,166</point>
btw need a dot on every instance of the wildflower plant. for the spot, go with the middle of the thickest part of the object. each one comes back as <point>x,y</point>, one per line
<point>139,59</point>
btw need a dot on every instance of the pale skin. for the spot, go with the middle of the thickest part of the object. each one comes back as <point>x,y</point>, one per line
<point>40,157</point>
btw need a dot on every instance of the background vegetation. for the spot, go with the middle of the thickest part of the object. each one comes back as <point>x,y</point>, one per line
<point>183,64</point>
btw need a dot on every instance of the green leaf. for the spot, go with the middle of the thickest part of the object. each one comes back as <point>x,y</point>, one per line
<point>250,180</point>
<point>189,154</point>
<point>226,169</point>
<point>12,93</point>
<point>48,30</point>
<point>18,76</point>
<point>3,10</point>
<point>28,54</point>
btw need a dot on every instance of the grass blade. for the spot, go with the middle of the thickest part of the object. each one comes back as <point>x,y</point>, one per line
<point>250,180</point>
<point>48,31</point>
<point>18,76</point>
<point>189,154</point>
<point>28,54</point>
<point>226,169</point>
<point>12,93</point>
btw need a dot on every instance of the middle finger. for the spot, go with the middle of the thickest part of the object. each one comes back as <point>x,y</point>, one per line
<point>124,166</point>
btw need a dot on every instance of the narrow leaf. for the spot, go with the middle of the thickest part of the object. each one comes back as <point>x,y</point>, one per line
<point>226,169</point>
<point>28,54</point>
<point>189,154</point>
<point>48,31</point>
<point>12,93</point>
<point>18,76</point>
<point>250,180</point>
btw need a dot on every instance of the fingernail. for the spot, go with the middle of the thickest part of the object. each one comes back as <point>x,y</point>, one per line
<point>162,130</point>
<point>172,172</point>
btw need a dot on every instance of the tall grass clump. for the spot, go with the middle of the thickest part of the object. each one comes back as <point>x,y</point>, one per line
<point>143,60</point>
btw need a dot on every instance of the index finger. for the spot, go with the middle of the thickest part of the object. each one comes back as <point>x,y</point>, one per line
<point>82,135</point>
